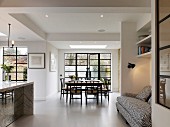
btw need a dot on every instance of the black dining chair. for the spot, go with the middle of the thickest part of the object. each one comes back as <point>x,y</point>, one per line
<point>106,88</point>
<point>91,91</point>
<point>76,91</point>
<point>64,89</point>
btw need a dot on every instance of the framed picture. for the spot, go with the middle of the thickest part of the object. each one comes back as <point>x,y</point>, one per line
<point>165,60</point>
<point>36,60</point>
<point>52,62</point>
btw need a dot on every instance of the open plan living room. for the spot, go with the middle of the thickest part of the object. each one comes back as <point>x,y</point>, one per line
<point>84,63</point>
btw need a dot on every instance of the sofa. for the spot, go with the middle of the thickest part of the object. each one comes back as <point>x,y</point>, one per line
<point>136,108</point>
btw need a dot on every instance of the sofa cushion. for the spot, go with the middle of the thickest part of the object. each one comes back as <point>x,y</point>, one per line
<point>139,110</point>
<point>144,94</point>
<point>150,100</point>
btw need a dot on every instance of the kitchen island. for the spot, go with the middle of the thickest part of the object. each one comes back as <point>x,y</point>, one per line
<point>18,101</point>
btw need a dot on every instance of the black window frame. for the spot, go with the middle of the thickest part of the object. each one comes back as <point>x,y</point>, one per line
<point>16,56</point>
<point>76,71</point>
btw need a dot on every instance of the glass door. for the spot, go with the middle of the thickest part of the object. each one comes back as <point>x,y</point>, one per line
<point>81,65</point>
<point>88,66</point>
<point>163,56</point>
<point>94,66</point>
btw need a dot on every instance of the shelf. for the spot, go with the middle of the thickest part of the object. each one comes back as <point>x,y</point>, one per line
<point>145,55</point>
<point>145,41</point>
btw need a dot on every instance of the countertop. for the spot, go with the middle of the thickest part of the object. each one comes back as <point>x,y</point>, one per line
<point>13,85</point>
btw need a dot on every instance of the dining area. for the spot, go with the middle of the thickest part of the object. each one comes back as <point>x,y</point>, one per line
<point>85,90</point>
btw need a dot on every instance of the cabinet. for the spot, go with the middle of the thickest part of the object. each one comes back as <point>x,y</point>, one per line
<point>144,43</point>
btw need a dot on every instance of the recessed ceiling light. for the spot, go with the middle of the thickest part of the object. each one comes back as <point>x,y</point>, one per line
<point>88,46</point>
<point>101,16</point>
<point>46,16</point>
<point>2,34</point>
<point>101,30</point>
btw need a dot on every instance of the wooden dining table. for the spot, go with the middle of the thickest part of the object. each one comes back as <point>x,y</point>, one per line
<point>88,83</point>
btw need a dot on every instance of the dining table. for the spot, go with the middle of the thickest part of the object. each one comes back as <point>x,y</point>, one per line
<point>84,83</point>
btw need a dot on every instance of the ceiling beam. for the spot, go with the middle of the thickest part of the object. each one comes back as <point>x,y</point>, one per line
<point>75,3</point>
<point>84,37</point>
<point>22,18</point>
<point>75,10</point>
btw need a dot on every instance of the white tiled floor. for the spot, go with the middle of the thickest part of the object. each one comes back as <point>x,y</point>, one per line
<point>56,113</point>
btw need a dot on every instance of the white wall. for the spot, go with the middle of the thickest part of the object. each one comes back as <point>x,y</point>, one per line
<point>45,82</point>
<point>132,80</point>
<point>114,63</point>
<point>52,80</point>
<point>160,114</point>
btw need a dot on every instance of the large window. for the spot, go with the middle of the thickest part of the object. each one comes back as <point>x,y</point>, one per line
<point>99,65</point>
<point>16,57</point>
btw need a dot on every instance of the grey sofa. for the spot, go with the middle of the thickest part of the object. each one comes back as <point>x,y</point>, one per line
<point>136,109</point>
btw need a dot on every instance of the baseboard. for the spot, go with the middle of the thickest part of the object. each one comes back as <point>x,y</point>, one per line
<point>115,90</point>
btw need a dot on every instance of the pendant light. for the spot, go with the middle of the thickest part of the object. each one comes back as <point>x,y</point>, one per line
<point>12,45</point>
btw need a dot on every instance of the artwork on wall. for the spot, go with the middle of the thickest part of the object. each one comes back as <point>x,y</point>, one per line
<point>36,60</point>
<point>52,62</point>
<point>164,61</point>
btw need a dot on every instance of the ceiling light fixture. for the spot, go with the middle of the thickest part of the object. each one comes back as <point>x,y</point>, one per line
<point>46,16</point>
<point>101,16</point>
<point>88,46</point>
<point>9,38</point>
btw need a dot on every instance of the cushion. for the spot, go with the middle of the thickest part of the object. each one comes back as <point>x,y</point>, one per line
<point>144,94</point>
<point>150,100</point>
<point>138,109</point>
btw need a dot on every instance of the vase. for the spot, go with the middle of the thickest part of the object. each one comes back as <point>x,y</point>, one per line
<point>7,77</point>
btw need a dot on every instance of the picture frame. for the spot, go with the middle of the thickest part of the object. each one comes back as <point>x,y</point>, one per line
<point>52,63</point>
<point>36,60</point>
<point>165,61</point>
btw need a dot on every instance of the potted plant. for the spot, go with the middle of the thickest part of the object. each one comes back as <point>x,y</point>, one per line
<point>25,74</point>
<point>72,77</point>
<point>7,70</point>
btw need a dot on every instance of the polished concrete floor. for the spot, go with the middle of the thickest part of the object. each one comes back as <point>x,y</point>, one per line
<point>56,113</point>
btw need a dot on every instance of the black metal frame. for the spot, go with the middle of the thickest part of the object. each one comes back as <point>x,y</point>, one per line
<point>16,55</point>
<point>76,65</point>
<point>158,49</point>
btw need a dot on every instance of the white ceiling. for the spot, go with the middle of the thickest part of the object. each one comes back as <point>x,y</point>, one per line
<point>82,22</point>
<point>32,25</point>
<point>19,32</point>
<point>65,44</point>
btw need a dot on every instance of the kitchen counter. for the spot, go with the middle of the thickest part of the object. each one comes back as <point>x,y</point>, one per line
<point>22,104</point>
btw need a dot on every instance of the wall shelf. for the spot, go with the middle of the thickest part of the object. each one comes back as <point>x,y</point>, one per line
<point>145,41</point>
<point>144,55</point>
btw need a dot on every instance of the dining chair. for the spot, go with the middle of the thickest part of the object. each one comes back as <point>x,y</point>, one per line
<point>6,94</point>
<point>76,90</point>
<point>91,90</point>
<point>106,88</point>
<point>64,89</point>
